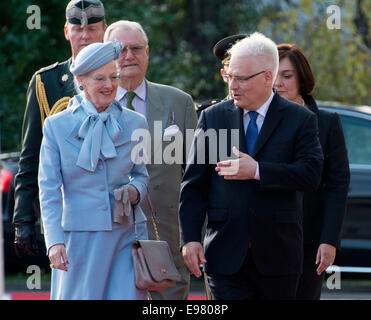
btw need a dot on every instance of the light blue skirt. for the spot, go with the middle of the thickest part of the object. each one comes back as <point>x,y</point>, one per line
<point>100,265</point>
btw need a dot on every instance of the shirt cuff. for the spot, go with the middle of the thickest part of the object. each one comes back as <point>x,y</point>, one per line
<point>257,174</point>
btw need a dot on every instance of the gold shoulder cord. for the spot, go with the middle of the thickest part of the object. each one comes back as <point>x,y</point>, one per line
<point>60,105</point>
<point>45,111</point>
<point>41,98</point>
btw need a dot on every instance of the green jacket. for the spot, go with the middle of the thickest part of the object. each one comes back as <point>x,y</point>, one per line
<point>58,83</point>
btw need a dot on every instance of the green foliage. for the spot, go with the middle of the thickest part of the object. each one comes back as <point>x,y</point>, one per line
<point>340,61</point>
<point>22,52</point>
<point>182,34</point>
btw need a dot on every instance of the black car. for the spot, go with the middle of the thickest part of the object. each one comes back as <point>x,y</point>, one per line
<point>356,238</point>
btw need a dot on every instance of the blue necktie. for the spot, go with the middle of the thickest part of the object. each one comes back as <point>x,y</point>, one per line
<point>251,132</point>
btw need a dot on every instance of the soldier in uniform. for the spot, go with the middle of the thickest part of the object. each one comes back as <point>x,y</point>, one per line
<point>220,52</point>
<point>49,92</point>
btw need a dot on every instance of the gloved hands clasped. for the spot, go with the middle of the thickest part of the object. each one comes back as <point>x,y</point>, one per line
<point>125,197</point>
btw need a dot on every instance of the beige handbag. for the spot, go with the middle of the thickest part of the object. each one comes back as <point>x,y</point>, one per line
<point>154,265</point>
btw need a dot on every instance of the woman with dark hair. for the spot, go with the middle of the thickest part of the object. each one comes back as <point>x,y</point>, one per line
<point>323,208</point>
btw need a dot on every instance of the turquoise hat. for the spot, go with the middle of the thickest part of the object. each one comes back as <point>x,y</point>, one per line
<point>94,56</point>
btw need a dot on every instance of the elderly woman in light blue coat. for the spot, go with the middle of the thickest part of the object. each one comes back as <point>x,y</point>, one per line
<point>86,154</point>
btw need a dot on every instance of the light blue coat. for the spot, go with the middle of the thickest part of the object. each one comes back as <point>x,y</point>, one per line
<point>75,199</point>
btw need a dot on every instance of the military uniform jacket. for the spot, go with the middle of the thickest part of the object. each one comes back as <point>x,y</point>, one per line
<point>58,83</point>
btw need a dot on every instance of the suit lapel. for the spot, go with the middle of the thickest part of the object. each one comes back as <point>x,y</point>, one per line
<point>157,110</point>
<point>235,119</point>
<point>124,137</point>
<point>66,80</point>
<point>271,121</point>
<point>73,136</point>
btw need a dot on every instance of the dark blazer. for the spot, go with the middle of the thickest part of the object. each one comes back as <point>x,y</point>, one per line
<point>267,212</point>
<point>324,208</point>
<point>58,82</point>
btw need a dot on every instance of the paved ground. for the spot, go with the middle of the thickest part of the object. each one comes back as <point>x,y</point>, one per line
<point>350,289</point>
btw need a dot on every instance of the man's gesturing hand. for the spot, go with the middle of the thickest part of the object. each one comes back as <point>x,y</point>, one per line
<point>243,168</point>
<point>193,254</point>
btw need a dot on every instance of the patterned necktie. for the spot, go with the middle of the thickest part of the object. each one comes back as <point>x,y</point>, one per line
<point>129,98</point>
<point>251,132</point>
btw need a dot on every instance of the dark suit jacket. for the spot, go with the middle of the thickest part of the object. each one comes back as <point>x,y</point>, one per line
<point>324,208</point>
<point>267,212</point>
<point>57,86</point>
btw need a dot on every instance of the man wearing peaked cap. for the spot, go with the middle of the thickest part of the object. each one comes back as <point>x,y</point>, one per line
<point>48,93</point>
<point>221,48</point>
<point>220,51</point>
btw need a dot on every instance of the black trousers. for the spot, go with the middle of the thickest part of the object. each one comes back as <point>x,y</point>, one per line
<point>310,284</point>
<point>249,284</point>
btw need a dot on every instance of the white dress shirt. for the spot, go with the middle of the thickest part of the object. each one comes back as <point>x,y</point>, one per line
<point>139,101</point>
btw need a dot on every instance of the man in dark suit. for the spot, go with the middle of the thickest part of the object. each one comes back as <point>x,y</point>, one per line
<point>48,93</point>
<point>254,240</point>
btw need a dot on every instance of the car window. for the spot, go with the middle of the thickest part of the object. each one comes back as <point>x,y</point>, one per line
<point>357,136</point>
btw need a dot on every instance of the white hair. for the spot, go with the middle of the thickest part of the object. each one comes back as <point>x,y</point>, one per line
<point>258,45</point>
<point>125,25</point>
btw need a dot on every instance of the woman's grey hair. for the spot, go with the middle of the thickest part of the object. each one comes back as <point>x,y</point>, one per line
<point>258,45</point>
<point>125,25</point>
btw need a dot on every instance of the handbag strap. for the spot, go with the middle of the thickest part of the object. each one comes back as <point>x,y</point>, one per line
<point>152,217</point>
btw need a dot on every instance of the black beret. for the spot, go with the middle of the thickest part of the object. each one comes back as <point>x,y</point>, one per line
<point>222,46</point>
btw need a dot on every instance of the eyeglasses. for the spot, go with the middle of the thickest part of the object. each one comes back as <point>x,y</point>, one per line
<point>241,80</point>
<point>135,50</point>
<point>102,80</point>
